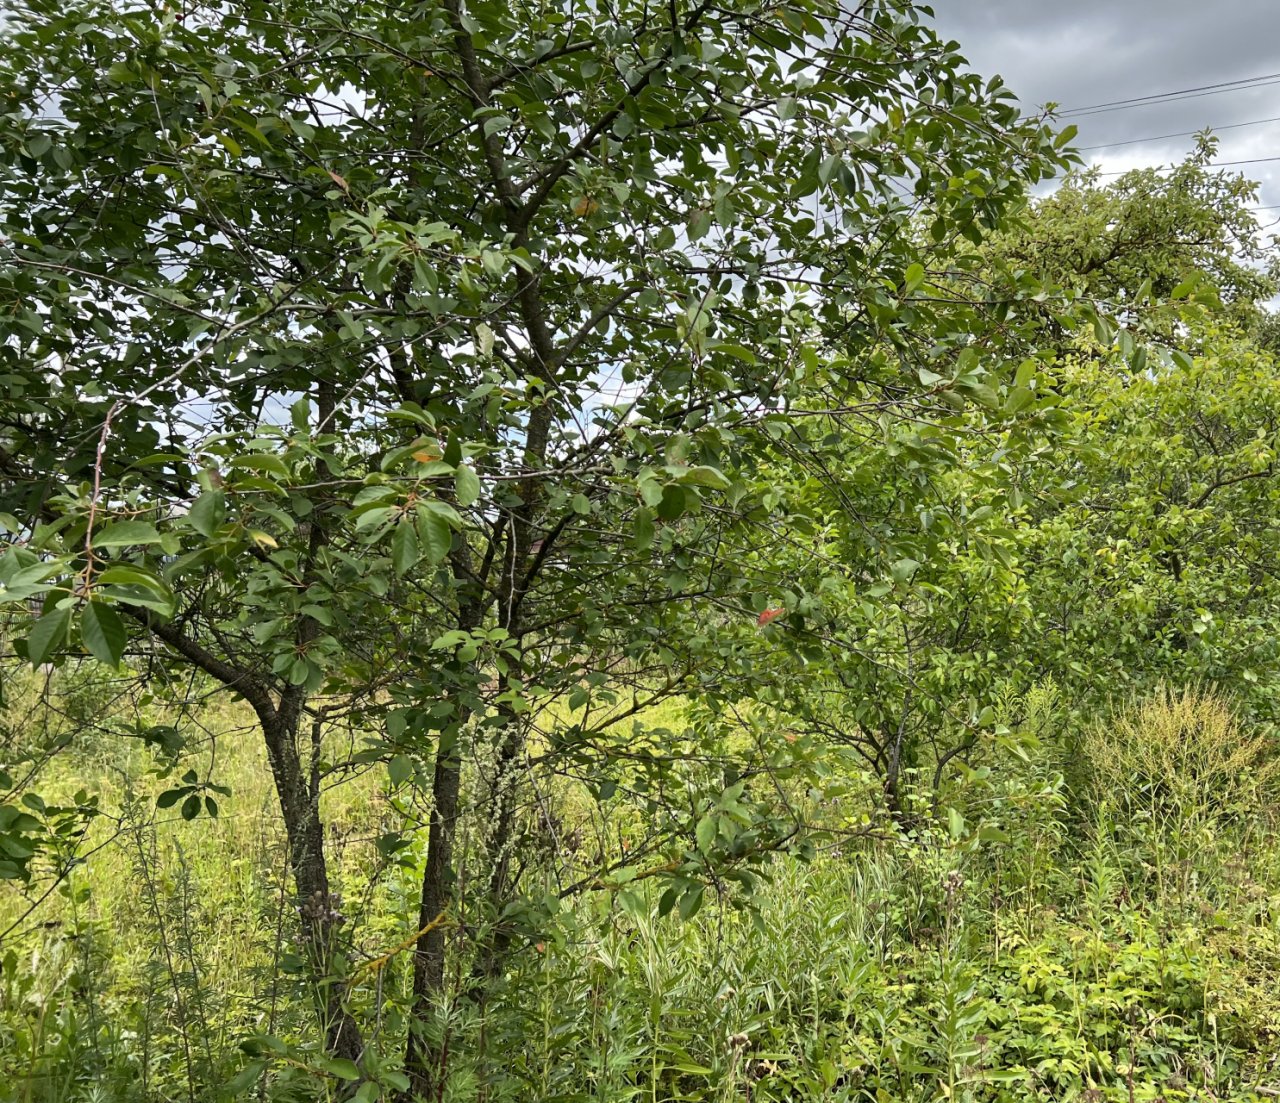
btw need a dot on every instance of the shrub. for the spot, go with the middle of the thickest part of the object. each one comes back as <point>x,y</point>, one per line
<point>1182,756</point>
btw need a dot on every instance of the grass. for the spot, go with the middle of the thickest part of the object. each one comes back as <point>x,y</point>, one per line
<point>1090,949</point>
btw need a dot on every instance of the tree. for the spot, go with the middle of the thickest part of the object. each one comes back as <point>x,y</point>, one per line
<point>405,367</point>
<point>1156,563</point>
<point>1148,541</point>
<point>1103,526</point>
<point>1134,242</point>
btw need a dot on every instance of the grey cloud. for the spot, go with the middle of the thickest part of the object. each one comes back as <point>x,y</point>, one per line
<point>1092,51</point>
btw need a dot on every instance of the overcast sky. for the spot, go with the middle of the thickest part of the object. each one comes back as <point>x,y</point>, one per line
<point>1081,52</point>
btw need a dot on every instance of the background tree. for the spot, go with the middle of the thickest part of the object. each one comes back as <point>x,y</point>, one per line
<point>952,556</point>
<point>1145,558</point>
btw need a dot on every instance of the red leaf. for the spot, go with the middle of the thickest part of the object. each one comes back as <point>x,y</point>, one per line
<point>768,615</point>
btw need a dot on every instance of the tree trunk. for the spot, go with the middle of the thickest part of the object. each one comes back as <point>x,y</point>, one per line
<point>300,811</point>
<point>299,794</point>
<point>423,1064</point>
<point>318,909</point>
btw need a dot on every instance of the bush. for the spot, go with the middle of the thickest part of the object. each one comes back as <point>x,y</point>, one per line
<point>1180,756</point>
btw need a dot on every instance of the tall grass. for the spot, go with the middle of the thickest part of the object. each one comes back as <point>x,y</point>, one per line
<point>1088,946</point>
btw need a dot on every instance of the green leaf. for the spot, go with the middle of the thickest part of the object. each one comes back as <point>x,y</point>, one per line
<point>317,613</point>
<point>121,72</point>
<point>270,465</point>
<point>435,535</point>
<point>691,901</point>
<point>340,1067</point>
<point>148,598</point>
<point>394,1079</point>
<point>645,531</point>
<point>400,769</point>
<point>130,574</point>
<point>650,491</point>
<point>208,512</point>
<point>170,797</point>
<point>705,476</point>
<point>996,1076</point>
<point>47,635</point>
<point>980,393</point>
<point>1019,399</point>
<point>246,1078</point>
<point>30,581</point>
<point>826,171</point>
<point>102,632</point>
<point>705,833</point>
<point>191,807</point>
<point>929,378</point>
<point>374,517</point>
<point>738,352</point>
<point>120,534</point>
<point>667,901</point>
<point>404,546</point>
<point>466,485</point>
<point>903,569</point>
<point>672,503</point>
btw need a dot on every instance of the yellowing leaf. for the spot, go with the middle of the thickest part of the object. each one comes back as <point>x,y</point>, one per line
<point>262,539</point>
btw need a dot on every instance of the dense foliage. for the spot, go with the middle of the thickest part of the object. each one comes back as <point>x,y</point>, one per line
<point>491,489</point>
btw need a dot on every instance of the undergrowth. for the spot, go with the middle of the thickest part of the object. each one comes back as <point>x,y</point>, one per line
<point>1096,917</point>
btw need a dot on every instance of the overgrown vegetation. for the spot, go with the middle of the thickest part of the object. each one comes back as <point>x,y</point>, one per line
<point>1037,940</point>
<point>602,553</point>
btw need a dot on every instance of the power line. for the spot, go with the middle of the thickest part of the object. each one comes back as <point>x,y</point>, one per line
<point>1246,161</point>
<point>1172,99</point>
<point>1179,134</point>
<point>1202,89</point>
<point>1209,165</point>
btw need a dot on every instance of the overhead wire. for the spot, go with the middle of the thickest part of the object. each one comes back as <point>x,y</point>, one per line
<point>1174,92</point>
<point>1178,134</point>
<point>1243,84</point>
<point>1208,164</point>
<point>1196,92</point>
